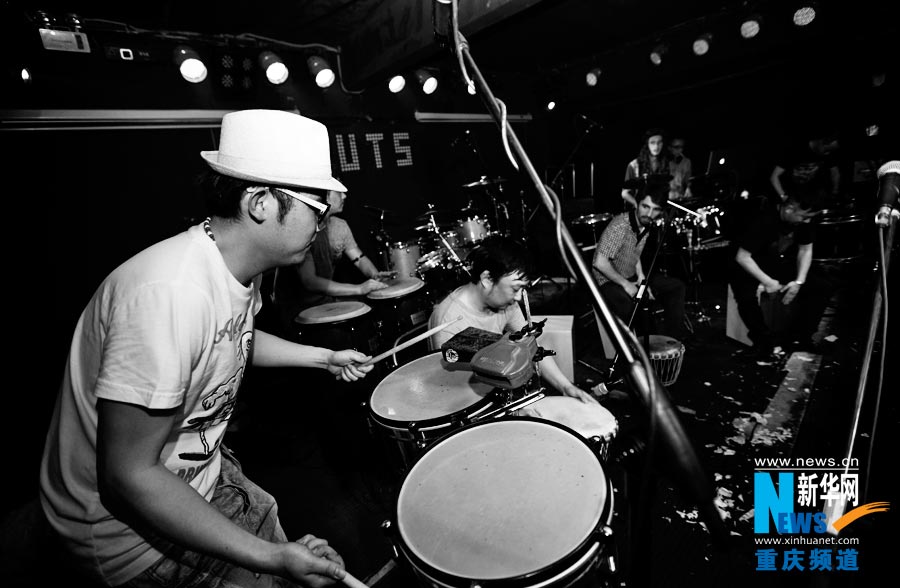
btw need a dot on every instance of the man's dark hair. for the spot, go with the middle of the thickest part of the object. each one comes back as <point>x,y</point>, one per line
<point>501,255</point>
<point>658,193</point>
<point>222,194</point>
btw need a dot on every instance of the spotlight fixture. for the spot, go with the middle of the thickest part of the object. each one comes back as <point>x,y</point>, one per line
<point>593,76</point>
<point>321,71</point>
<point>26,75</point>
<point>656,55</point>
<point>750,26</point>
<point>276,70</point>
<point>396,83</point>
<point>189,64</point>
<point>701,44</point>
<point>551,105</point>
<point>805,15</point>
<point>427,81</point>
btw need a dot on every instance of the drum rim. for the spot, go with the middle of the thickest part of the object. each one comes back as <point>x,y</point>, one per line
<point>416,284</point>
<point>362,309</point>
<point>470,410</point>
<point>403,244</point>
<point>543,573</point>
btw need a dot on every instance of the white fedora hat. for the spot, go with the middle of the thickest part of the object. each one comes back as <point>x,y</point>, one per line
<point>274,147</point>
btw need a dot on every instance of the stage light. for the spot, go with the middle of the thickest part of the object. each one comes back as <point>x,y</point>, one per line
<point>551,105</point>
<point>656,56</point>
<point>189,64</point>
<point>804,15</point>
<point>396,83</point>
<point>427,82</point>
<point>26,75</point>
<point>701,44</point>
<point>276,70</point>
<point>321,71</point>
<point>593,76</point>
<point>751,25</point>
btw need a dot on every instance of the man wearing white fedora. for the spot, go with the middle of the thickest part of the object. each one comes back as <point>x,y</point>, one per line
<point>134,478</point>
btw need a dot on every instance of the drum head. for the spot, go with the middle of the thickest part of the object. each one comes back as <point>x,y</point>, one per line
<point>588,420</point>
<point>661,345</point>
<point>501,499</point>
<point>333,312</point>
<point>396,288</point>
<point>423,389</point>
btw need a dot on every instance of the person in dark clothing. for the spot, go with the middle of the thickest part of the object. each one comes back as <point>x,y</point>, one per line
<point>772,270</point>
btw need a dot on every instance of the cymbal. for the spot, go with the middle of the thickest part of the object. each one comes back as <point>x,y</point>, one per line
<point>652,179</point>
<point>377,210</point>
<point>592,219</point>
<point>445,213</point>
<point>484,181</point>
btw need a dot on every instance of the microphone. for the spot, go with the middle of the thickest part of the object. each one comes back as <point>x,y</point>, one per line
<point>889,175</point>
<point>441,20</point>
<point>591,123</point>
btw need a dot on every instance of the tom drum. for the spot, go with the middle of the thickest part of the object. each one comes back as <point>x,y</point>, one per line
<point>338,325</point>
<point>506,502</point>
<point>425,399</point>
<point>400,307</point>
<point>403,256</point>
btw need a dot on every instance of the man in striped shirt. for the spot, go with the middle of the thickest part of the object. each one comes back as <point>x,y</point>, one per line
<point>617,267</point>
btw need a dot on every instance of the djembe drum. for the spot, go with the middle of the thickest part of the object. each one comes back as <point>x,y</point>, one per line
<point>666,355</point>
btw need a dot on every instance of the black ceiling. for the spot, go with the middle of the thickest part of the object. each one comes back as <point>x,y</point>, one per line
<point>544,46</point>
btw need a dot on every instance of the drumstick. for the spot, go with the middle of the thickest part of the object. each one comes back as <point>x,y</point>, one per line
<point>412,341</point>
<point>352,582</point>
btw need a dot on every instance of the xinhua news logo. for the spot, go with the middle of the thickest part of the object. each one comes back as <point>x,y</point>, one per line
<point>801,505</point>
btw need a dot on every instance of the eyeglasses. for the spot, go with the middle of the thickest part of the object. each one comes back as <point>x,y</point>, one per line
<point>321,208</point>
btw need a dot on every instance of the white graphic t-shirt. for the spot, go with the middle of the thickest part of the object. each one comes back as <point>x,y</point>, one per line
<point>169,328</point>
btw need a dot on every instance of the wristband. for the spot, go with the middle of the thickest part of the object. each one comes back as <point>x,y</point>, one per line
<point>798,282</point>
<point>361,255</point>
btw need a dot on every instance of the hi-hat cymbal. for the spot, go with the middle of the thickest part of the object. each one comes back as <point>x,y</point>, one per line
<point>377,210</point>
<point>484,181</point>
<point>650,180</point>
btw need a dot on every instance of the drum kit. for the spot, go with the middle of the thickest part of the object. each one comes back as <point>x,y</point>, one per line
<point>491,471</point>
<point>442,239</point>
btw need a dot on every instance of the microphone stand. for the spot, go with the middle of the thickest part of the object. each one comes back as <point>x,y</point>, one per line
<point>643,379</point>
<point>834,510</point>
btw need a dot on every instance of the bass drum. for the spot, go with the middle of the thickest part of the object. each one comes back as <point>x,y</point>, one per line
<point>507,502</point>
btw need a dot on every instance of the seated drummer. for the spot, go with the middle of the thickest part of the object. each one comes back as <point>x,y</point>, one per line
<point>311,282</point>
<point>618,270</point>
<point>501,270</point>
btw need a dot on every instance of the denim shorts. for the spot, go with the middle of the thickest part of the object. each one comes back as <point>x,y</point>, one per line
<point>246,505</point>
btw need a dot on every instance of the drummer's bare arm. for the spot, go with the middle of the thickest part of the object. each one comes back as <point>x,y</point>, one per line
<point>312,282</point>
<point>629,198</point>
<point>362,262</point>
<point>557,380</point>
<point>272,351</point>
<point>746,261</point>
<point>775,180</point>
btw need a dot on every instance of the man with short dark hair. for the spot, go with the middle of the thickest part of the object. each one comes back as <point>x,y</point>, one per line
<point>773,260</point>
<point>501,271</point>
<point>134,477</point>
<point>619,273</point>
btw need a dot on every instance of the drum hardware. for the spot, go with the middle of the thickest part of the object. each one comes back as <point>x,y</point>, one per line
<point>484,181</point>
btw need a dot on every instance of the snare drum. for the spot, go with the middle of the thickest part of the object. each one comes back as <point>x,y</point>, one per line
<point>506,502</point>
<point>666,355</point>
<point>423,400</point>
<point>592,421</point>
<point>402,258</point>
<point>401,306</point>
<point>472,230</point>
<point>338,325</point>
<point>840,237</point>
